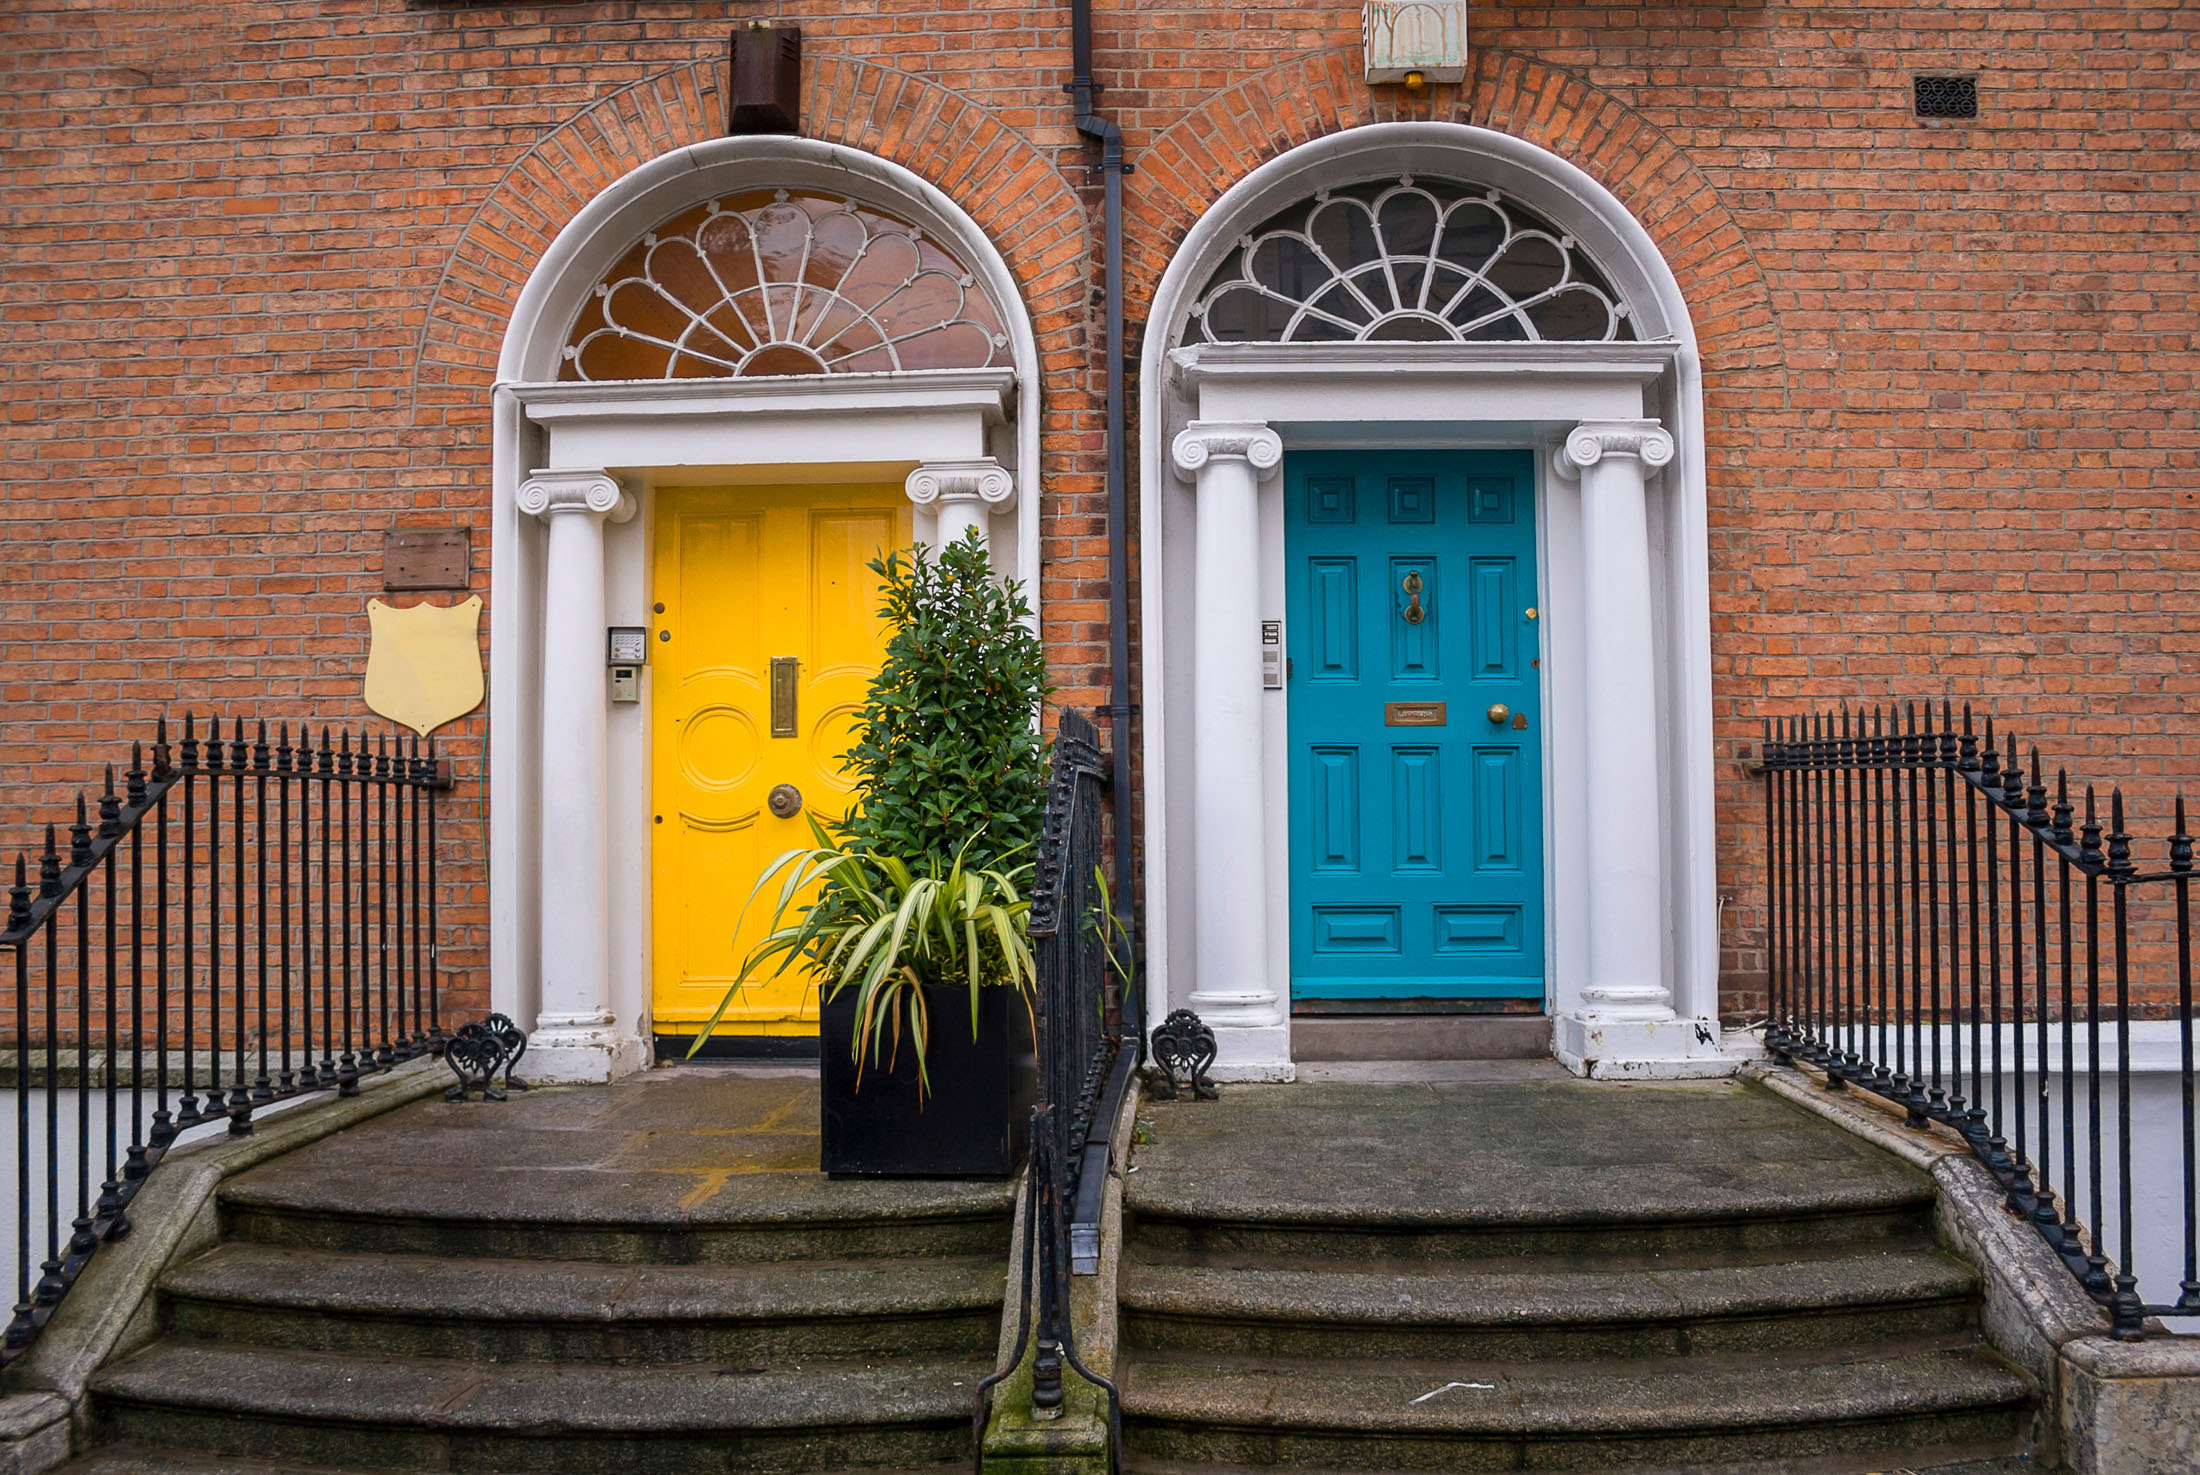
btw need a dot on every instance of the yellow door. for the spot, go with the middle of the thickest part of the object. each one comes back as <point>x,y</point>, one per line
<point>743,579</point>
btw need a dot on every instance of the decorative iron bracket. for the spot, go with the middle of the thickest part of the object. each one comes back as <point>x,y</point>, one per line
<point>478,1052</point>
<point>1182,1042</point>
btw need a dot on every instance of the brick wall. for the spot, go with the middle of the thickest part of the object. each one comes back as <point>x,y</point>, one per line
<point>256,259</point>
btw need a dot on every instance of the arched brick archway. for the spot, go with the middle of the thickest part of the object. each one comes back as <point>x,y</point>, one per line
<point>1009,187</point>
<point>1183,170</point>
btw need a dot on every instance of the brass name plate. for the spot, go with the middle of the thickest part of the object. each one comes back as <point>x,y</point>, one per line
<point>784,670</point>
<point>1413,714</point>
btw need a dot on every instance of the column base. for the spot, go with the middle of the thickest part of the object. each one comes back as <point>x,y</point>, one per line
<point>1252,1053</point>
<point>591,1052</point>
<point>1609,1049</point>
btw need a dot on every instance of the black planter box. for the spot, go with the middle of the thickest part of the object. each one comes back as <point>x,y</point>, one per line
<point>975,1123</point>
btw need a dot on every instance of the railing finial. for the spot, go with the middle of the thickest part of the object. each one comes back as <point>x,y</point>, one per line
<point>161,769</point>
<point>80,835</point>
<point>2119,843</point>
<point>110,809</point>
<point>136,776</point>
<point>49,867</point>
<point>19,895</point>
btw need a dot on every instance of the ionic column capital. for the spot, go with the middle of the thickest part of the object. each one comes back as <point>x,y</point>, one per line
<point>598,493</point>
<point>983,480</point>
<point>1593,441</point>
<point>1206,441</point>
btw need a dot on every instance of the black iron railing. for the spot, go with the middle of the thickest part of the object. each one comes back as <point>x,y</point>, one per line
<point>1086,1056</point>
<point>241,923</point>
<point>1950,933</point>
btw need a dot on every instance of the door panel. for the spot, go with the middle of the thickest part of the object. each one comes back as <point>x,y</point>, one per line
<point>1416,820</point>
<point>746,576</point>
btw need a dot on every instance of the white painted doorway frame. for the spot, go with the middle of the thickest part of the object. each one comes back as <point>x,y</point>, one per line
<point>1217,419</point>
<point>569,924</point>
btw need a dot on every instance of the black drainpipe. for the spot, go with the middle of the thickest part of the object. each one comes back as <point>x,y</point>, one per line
<point>1121,708</point>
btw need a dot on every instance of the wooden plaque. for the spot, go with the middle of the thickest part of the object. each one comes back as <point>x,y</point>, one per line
<point>427,558</point>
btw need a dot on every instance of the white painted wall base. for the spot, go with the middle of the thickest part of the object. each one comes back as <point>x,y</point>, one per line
<point>1252,1053</point>
<point>581,1053</point>
<point>1640,1049</point>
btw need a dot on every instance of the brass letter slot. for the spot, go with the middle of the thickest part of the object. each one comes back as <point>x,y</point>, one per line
<point>783,676</point>
<point>1413,714</point>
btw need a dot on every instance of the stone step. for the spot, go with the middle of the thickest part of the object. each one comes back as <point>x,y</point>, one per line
<point>138,1459</point>
<point>1346,1037</point>
<point>1371,1416</point>
<point>613,1217</point>
<point>1562,1239</point>
<point>1920,1298</point>
<point>533,1419</point>
<point>770,1314</point>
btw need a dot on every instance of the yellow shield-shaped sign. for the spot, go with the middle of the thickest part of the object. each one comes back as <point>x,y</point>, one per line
<point>424,663</point>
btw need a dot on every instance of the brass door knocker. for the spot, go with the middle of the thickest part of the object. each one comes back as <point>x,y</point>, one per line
<point>1412,589</point>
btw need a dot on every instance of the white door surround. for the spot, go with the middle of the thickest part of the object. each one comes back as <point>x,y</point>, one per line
<point>569,796</point>
<point>1626,638</point>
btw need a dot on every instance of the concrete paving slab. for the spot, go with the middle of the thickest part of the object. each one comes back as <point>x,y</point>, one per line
<point>685,1145</point>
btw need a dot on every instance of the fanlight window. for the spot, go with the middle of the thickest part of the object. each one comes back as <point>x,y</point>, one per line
<point>784,282</point>
<point>1407,261</point>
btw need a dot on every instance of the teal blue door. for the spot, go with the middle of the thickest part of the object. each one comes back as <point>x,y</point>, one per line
<point>1416,725</point>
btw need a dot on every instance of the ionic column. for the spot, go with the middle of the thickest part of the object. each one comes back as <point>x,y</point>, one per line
<point>1227,461</point>
<point>965,492</point>
<point>1613,459</point>
<point>574,1036</point>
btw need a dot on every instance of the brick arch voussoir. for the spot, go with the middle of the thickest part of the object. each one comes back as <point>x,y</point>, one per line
<point>1188,166</point>
<point>1012,190</point>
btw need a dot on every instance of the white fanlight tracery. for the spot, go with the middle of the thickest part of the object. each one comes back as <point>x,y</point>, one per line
<point>784,282</point>
<point>1407,260</point>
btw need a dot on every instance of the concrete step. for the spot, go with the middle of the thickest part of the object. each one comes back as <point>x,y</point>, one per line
<point>1490,1239</point>
<point>1436,1416</point>
<point>533,1419</point>
<point>1920,1298</point>
<point>138,1459</point>
<point>1325,1037</point>
<point>613,1217</point>
<point>770,1314</point>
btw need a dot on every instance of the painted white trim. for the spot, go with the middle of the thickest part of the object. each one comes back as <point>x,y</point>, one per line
<point>1526,395</point>
<point>857,427</point>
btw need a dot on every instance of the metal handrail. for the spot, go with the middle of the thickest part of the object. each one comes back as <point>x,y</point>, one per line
<point>1085,993</point>
<point>249,903</point>
<point>1913,952</point>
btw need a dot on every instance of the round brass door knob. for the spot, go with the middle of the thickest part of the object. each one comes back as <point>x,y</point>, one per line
<point>785,800</point>
<point>1499,712</point>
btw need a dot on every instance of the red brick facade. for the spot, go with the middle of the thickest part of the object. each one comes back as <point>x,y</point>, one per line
<point>258,258</point>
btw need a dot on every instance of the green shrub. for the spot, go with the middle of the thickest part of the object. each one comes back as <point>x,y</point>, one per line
<point>948,761</point>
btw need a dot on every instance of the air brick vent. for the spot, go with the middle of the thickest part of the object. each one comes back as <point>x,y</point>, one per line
<point>1945,96</point>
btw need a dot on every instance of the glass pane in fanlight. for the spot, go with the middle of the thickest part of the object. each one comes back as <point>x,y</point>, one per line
<point>1473,233</point>
<point>1345,232</point>
<point>1242,315</point>
<point>1575,315</point>
<point>1340,302</point>
<point>609,356</point>
<point>1531,264</point>
<point>1411,328</point>
<point>948,348</point>
<point>639,307</point>
<point>889,261</point>
<point>1408,222</point>
<point>1286,265</point>
<point>704,355</point>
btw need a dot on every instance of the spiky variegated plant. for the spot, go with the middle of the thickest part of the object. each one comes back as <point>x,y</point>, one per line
<point>886,929</point>
<point>926,881</point>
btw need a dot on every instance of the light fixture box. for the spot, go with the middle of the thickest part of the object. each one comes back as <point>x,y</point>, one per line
<point>764,92</point>
<point>1408,36</point>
